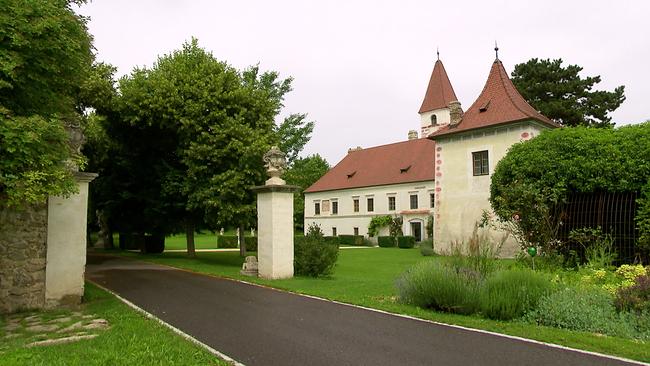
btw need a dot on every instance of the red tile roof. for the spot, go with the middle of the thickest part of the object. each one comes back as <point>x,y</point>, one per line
<point>499,103</point>
<point>439,92</point>
<point>401,162</point>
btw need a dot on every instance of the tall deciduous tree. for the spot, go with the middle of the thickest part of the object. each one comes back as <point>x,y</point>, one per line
<point>304,172</point>
<point>561,94</point>
<point>189,134</point>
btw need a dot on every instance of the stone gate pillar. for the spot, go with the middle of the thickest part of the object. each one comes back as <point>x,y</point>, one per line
<point>275,220</point>
<point>66,245</point>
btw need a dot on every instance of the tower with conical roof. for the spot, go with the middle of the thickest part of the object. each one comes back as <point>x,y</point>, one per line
<point>435,109</point>
<point>467,151</point>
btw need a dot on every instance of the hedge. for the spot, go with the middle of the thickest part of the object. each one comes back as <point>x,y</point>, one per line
<point>351,240</point>
<point>537,174</point>
<point>227,241</point>
<point>406,241</point>
<point>154,244</point>
<point>251,243</point>
<point>386,241</point>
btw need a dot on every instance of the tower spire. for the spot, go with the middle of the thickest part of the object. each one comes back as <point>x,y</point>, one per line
<point>438,53</point>
<point>496,49</point>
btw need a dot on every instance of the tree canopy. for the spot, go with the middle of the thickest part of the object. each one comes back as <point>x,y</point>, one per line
<point>187,137</point>
<point>561,94</point>
<point>45,55</point>
<point>303,173</point>
<point>46,52</point>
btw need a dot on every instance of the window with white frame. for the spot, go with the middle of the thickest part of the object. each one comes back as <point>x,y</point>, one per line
<point>391,203</point>
<point>414,201</point>
<point>480,163</point>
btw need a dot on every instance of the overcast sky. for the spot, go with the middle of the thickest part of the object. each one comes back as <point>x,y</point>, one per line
<point>361,68</point>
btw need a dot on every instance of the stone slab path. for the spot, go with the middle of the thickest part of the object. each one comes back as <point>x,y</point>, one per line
<point>261,326</point>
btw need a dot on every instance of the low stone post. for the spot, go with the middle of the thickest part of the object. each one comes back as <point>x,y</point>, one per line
<point>275,220</point>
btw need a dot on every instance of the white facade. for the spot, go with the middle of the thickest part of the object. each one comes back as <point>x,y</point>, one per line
<point>442,118</point>
<point>461,196</point>
<point>348,221</point>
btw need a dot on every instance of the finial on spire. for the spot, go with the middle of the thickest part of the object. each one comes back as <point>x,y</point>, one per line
<point>496,49</point>
<point>438,53</point>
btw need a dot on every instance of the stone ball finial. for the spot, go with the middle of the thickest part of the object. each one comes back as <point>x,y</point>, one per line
<point>276,163</point>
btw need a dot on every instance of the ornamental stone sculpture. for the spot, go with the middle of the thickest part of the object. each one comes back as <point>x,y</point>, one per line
<point>76,139</point>
<point>276,163</point>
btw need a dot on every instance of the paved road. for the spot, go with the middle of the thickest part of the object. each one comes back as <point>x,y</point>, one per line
<point>260,326</point>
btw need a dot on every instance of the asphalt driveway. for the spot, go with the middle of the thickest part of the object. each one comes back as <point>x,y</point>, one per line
<point>261,326</point>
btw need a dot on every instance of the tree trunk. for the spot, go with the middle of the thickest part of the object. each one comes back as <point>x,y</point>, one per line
<point>242,242</point>
<point>189,235</point>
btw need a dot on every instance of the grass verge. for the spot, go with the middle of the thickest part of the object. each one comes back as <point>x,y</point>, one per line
<point>131,339</point>
<point>367,277</point>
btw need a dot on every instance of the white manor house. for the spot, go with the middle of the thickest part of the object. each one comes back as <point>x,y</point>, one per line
<point>445,173</point>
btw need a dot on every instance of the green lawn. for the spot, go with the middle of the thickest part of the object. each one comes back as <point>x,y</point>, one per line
<point>205,240</point>
<point>131,339</point>
<point>366,277</point>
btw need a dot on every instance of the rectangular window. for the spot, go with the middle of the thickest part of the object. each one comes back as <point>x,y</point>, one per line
<point>480,163</point>
<point>391,203</point>
<point>316,208</point>
<point>356,231</point>
<point>371,204</point>
<point>333,231</point>
<point>414,201</point>
<point>355,204</point>
<point>432,197</point>
<point>335,207</point>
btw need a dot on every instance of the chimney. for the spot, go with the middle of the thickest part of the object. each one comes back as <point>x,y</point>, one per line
<point>455,113</point>
<point>413,135</point>
<point>354,149</point>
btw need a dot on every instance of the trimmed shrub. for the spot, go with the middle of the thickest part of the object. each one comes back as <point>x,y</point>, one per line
<point>314,256</point>
<point>431,285</point>
<point>426,247</point>
<point>127,241</point>
<point>334,240</point>
<point>386,241</point>
<point>227,241</point>
<point>590,310</point>
<point>406,242</point>
<point>510,293</point>
<point>154,244</point>
<point>351,240</point>
<point>251,243</point>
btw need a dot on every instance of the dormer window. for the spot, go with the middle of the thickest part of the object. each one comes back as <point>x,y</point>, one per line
<point>350,175</point>
<point>405,169</point>
<point>484,107</point>
<point>434,120</point>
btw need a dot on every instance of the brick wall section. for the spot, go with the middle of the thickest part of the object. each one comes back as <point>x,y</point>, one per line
<point>23,238</point>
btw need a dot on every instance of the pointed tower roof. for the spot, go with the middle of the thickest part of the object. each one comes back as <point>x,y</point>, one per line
<point>499,103</point>
<point>439,92</point>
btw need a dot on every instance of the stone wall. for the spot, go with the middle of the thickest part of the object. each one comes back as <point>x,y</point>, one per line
<point>23,237</point>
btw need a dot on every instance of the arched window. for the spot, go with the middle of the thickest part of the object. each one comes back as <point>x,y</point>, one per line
<point>434,120</point>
